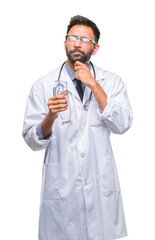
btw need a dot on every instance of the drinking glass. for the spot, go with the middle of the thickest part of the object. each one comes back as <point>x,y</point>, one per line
<point>61,88</point>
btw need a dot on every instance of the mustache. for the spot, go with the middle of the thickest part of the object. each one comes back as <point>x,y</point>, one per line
<point>76,50</point>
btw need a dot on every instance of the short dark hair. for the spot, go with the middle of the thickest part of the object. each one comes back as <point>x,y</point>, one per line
<point>80,20</point>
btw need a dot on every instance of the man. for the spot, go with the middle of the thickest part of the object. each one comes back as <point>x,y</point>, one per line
<point>81,197</point>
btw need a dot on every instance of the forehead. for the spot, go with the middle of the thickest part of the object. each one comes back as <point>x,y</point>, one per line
<point>81,30</point>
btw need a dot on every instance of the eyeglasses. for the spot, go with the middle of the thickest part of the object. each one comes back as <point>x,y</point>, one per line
<point>74,38</point>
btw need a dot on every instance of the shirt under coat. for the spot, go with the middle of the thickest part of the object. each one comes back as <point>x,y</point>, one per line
<point>81,194</point>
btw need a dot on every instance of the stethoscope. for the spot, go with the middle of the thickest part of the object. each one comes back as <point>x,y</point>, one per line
<point>86,104</point>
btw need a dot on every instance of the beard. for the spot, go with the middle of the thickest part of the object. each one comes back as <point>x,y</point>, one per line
<point>82,57</point>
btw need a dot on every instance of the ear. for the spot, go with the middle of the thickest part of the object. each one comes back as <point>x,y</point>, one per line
<point>65,45</point>
<point>96,48</point>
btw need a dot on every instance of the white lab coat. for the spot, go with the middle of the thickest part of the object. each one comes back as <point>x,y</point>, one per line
<point>81,196</point>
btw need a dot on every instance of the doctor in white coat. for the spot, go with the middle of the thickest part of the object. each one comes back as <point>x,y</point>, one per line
<point>81,195</point>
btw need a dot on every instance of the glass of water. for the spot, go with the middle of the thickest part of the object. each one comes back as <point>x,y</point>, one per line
<point>60,88</point>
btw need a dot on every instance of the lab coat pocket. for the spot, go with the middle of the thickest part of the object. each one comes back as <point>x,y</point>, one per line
<point>51,180</point>
<point>108,177</point>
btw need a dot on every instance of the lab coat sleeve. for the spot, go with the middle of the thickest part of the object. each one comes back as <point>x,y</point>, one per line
<point>35,113</point>
<point>118,113</point>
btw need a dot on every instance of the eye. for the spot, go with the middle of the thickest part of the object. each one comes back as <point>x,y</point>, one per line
<point>72,38</point>
<point>85,39</point>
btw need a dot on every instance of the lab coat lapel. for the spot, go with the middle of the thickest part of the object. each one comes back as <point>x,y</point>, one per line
<point>86,94</point>
<point>72,89</point>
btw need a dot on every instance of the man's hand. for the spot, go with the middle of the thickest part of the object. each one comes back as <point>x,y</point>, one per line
<point>83,74</point>
<point>57,104</point>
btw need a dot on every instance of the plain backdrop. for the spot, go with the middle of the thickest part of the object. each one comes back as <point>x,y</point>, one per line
<point>31,45</point>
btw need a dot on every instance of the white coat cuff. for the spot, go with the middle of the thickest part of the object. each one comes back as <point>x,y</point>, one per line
<point>40,143</point>
<point>40,133</point>
<point>106,112</point>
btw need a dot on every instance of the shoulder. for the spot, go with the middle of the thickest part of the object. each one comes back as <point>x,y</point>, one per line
<point>46,81</point>
<point>109,80</point>
<point>105,74</point>
<point>51,76</point>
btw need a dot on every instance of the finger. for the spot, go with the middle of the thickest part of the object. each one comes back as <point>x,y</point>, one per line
<point>77,75</point>
<point>58,106</point>
<point>64,93</point>
<point>63,109</point>
<point>77,68</point>
<point>78,63</point>
<point>58,110</point>
<point>57,102</point>
<point>60,96</point>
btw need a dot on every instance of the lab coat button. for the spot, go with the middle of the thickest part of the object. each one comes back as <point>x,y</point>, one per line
<point>85,182</point>
<point>82,155</point>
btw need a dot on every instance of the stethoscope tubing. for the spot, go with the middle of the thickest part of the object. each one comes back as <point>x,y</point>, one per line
<point>93,72</point>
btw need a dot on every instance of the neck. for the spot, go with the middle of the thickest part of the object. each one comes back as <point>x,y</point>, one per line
<point>71,65</point>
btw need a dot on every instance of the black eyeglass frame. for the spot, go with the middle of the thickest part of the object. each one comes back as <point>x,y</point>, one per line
<point>81,38</point>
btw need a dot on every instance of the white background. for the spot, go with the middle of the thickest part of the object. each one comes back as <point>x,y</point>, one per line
<point>31,45</point>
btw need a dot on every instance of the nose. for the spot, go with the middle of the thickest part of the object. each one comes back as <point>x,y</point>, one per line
<point>77,43</point>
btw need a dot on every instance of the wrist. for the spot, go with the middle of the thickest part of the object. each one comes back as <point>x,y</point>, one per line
<point>47,123</point>
<point>93,84</point>
<point>52,116</point>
